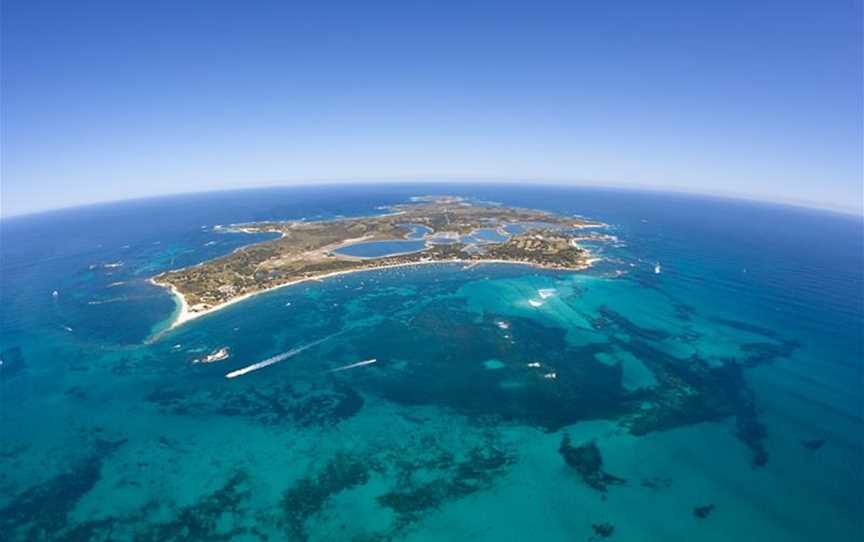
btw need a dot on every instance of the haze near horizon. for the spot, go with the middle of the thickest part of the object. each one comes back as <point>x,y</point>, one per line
<point>105,101</point>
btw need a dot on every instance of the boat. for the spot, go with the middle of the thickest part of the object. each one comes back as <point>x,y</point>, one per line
<point>216,355</point>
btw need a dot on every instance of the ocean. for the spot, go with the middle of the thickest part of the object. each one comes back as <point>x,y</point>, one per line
<point>702,382</point>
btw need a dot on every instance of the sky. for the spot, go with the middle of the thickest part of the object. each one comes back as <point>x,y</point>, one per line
<point>106,100</point>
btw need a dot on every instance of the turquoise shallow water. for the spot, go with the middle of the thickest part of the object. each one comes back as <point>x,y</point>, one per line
<point>718,399</point>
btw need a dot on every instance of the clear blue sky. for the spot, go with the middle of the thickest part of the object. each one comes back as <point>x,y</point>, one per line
<point>107,100</point>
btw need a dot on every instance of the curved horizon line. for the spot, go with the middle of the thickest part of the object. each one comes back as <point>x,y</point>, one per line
<point>461,180</point>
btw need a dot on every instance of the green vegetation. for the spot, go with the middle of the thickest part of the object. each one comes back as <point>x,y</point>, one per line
<point>307,250</point>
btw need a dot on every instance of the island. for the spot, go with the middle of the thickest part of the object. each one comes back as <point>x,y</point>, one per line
<point>428,230</point>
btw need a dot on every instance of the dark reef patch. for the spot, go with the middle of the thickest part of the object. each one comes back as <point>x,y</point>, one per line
<point>703,512</point>
<point>760,353</point>
<point>749,429</point>
<point>746,327</point>
<point>387,302</point>
<point>42,511</point>
<point>76,392</point>
<point>448,370</point>
<point>324,404</point>
<point>455,480</point>
<point>203,520</point>
<point>608,317</point>
<point>813,444</point>
<point>656,483</point>
<point>602,530</point>
<point>328,408</point>
<point>307,496</point>
<point>132,365</point>
<point>683,311</point>
<point>692,391</point>
<point>588,462</point>
<point>216,516</point>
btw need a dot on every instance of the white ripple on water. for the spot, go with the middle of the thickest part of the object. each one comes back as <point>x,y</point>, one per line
<point>546,293</point>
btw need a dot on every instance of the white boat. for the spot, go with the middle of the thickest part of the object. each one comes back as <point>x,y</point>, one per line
<point>216,355</point>
<point>657,269</point>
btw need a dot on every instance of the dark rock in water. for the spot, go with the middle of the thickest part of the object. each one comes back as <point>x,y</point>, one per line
<point>603,530</point>
<point>13,362</point>
<point>703,512</point>
<point>813,444</point>
<point>588,462</point>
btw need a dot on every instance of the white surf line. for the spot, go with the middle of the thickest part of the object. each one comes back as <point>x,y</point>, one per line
<point>275,359</point>
<point>353,365</point>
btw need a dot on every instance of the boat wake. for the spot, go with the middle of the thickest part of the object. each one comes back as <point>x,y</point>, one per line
<point>104,301</point>
<point>276,359</point>
<point>353,365</point>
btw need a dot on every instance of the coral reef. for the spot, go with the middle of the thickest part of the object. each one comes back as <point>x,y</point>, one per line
<point>274,404</point>
<point>602,530</point>
<point>588,462</point>
<point>42,511</point>
<point>703,512</point>
<point>308,495</point>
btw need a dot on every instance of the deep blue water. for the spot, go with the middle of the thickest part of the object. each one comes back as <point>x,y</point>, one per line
<point>102,427</point>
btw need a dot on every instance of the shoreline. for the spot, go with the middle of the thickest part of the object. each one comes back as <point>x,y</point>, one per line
<point>185,314</point>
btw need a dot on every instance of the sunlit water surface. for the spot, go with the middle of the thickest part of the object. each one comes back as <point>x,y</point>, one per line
<point>703,382</point>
